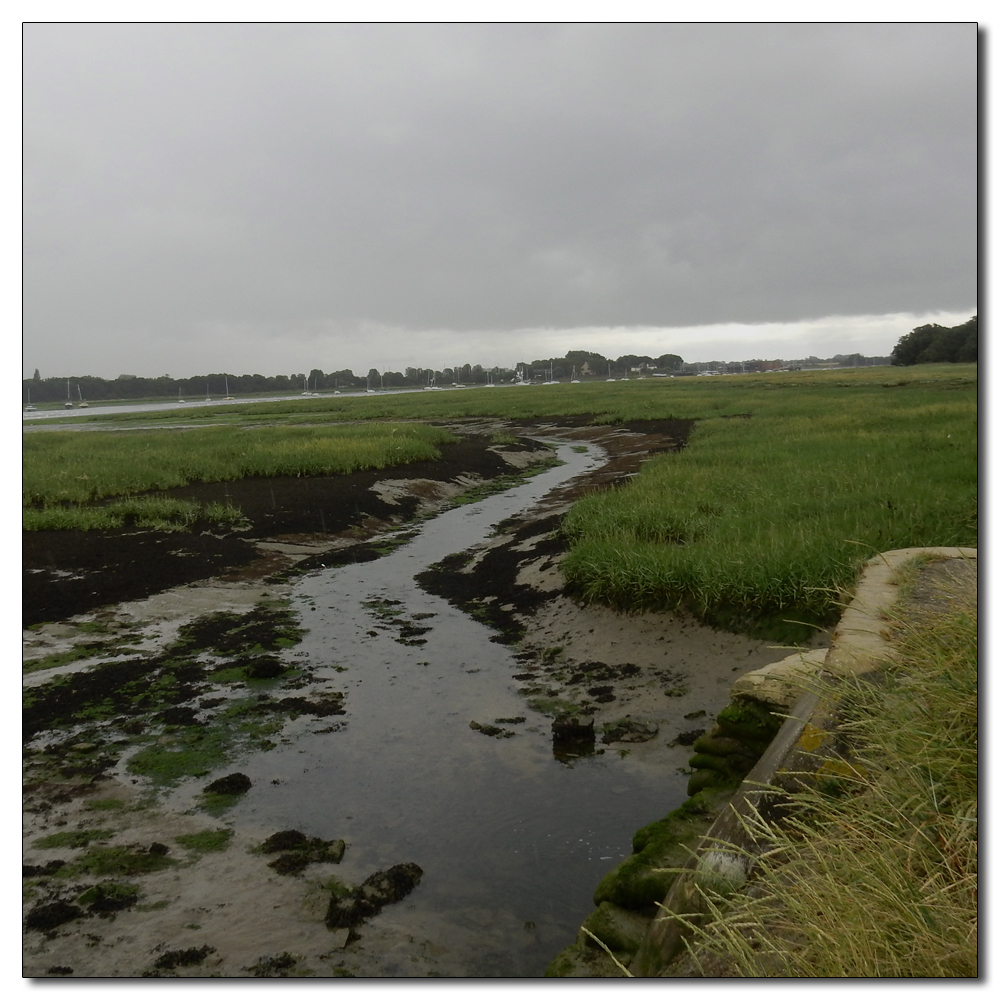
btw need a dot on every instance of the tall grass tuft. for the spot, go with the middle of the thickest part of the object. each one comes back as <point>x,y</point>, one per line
<point>880,881</point>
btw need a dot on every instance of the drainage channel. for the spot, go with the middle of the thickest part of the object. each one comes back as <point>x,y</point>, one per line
<point>511,840</point>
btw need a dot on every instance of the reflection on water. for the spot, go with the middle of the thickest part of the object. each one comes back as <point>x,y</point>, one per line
<point>512,841</point>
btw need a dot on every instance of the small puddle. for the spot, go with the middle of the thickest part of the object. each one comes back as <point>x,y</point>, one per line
<point>512,841</point>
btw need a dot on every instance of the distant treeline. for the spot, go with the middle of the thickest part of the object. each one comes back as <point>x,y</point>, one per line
<point>934,341</point>
<point>92,388</point>
<point>934,344</point>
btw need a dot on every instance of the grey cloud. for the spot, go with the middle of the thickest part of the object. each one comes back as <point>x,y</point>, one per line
<point>487,177</point>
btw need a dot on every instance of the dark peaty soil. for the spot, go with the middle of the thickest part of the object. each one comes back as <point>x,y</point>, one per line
<point>67,573</point>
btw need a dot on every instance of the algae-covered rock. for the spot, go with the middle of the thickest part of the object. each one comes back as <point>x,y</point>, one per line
<point>629,730</point>
<point>232,784</point>
<point>300,851</point>
<point>580,962</point>
<point>620,929</point>
<point>718,745</point>
<point>349,908</point>
<point>748,719</point>
<point>642,880</point>
<point>706,780</point>
<point>702,808</point>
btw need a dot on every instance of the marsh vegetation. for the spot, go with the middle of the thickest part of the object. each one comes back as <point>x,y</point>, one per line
<point>875,874</point>
<point>68,475</point>
<point>789,482</point>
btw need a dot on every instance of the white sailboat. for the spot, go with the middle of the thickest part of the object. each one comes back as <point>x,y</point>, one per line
<point>573,377</point>
<point>179,400</point>
<point>227,396</point>
<point>83,403</point>
<point>29,405</point>
<point>68,405</point>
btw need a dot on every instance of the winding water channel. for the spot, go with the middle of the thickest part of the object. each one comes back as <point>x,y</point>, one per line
<point>511,840</point>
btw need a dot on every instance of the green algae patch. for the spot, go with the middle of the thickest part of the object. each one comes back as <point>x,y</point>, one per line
<point>78,652</point>
<point>70,838</point>
<point>195,751</point>
<point>553,706</point>
<point>205,841</point>
<point>153,710</point>
<point>579,961</point>
<point>216,803</point>
<point>117,861</point>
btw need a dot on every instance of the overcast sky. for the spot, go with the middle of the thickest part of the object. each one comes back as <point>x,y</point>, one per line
<point>277,198</point>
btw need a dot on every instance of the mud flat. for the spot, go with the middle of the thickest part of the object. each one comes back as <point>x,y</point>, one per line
<point>405,730</point>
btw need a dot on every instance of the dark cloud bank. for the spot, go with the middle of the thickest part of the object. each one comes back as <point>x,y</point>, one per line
<point>288,181</point>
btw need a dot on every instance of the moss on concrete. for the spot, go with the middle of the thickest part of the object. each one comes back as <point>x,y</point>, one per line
<point>641,881</point>
<point>619,929</point>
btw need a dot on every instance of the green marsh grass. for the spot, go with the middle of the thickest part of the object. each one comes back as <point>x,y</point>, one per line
<point>638,399</point>
<point>762,522</point>
<point>881,880</point>
<point>62,469</point>
<point>789,482</point>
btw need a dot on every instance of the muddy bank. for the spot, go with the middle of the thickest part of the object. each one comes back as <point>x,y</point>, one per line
<point>68,573</point>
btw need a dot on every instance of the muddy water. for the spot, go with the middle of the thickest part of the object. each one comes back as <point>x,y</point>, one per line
<point>512,841</point>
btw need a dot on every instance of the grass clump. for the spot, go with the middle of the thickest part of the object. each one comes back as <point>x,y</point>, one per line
<point>158,513</point>
<point>879,880</point>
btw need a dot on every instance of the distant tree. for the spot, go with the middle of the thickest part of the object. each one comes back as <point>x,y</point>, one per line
<point>935,343</point>
<point>36,377</point>
<point>628,361</point>
<point>669,361</point>
<point>584,357</point>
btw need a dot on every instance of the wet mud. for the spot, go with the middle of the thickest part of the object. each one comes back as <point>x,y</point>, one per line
<point>68,573</point>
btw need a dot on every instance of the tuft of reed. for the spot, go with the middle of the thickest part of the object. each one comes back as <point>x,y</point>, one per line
<point>878,879</point>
